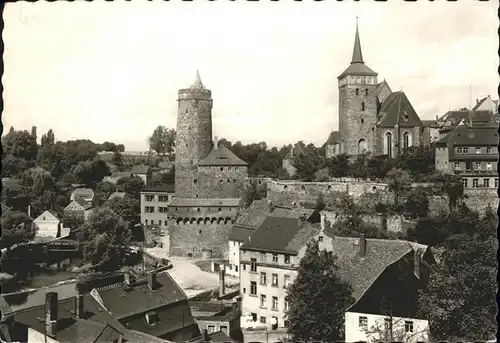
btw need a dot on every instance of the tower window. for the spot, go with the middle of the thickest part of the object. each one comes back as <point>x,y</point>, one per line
<point>357,91</point>
<point>362,106</point>
<point>366,92</point>
<point>362,120</point>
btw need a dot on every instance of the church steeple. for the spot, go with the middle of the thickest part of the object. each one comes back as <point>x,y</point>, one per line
<point>357,56</point>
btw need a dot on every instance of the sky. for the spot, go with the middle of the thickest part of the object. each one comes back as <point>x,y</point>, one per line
<point>110,71</point>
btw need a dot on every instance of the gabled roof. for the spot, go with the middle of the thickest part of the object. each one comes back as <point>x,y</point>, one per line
<point>48,212</point>
<point>254,215</point>
<point>221,156</point>
<point>478,118</point>
<point>83,193</point>
<point>481,136</point>
<point>5,208</point>
<point>294,212</point>
<point>361,273</point>
<point>333,138</point>
<point>397,109</point>
<point>120,195</point>
<point>140,169</point>
<point>483,100</point>
<point>131,303</point>
<point>80,201</point>
<point>283,235</point>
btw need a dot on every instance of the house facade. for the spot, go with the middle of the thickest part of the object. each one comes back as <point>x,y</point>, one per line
<point>154,205</point>
<point>48,224</point>
<point>217,316</point>
<point>472,153</point>
<point>268,264</point>
<point>79,208</point>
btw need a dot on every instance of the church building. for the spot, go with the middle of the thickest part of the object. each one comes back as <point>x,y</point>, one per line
<point>372,118</point>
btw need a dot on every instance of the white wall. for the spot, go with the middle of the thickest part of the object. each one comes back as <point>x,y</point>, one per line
<point>375,328</point>
<point>234,258</point>
<point>47,228</point>
<point>37,337</point>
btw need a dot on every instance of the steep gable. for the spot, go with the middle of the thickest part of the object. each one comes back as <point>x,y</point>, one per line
<point>383,91</point>
<point>47,216</point>
<point>397,110</point>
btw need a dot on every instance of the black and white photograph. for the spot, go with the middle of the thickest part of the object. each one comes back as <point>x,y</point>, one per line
<point>235,171</point>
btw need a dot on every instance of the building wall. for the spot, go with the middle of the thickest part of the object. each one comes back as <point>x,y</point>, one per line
<point>194,138</point>
<point>231,326</point>
<point>157,217</point>
<point>251,303</point>
<point>143,177</point>
<point>264,336</point>
<point>37,337</point>
<point>397,136</point>
<point>221,181</point>
<point>47,228</point>
<point>233,268</point>
<point>189,236</point>
<point>375,328</point>
<point>333,150</point>
<point>354,123</point>
<point>287,165</point>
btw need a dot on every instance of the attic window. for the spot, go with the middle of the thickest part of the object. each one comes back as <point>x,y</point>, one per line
<point>152,318</point>
<point>405,116</point>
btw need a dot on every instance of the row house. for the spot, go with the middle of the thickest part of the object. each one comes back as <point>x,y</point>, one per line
<point>154,204</point>
<point>470,152</point>
<point>268,264</point>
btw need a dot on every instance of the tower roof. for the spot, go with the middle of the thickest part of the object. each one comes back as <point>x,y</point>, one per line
<point>357,67</point>
<point>197,82</point>
<point>357,56</point>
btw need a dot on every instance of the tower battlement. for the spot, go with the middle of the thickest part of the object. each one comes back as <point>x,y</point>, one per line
<point>194,94</point>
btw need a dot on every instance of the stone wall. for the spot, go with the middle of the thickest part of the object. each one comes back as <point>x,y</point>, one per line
<point>192,236</point>
<point>221,182</point>
<point>477,200</point>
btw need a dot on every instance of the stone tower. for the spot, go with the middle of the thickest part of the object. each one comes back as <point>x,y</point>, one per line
<point>357,104</point>
<point>194,136</point>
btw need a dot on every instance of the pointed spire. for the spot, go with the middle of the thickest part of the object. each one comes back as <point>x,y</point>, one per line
<point>357,56</point>
<point>197,82</point>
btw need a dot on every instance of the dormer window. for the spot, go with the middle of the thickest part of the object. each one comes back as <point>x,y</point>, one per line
<point>152,318</point>
<point>405,116</point>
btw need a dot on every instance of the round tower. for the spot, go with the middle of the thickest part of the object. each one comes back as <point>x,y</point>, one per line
<point>357,104</point>
<point>194,136</point>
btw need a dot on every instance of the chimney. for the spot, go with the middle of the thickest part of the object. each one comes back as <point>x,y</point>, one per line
<point>270,206</point>
<point>79,308</point>
<point>416,263</point>
<point>216,142</point>
<point>51,314</point>
<point>152,280</point>
<point>222,280</point>
<point>362,246</point>
<point>206,338</point>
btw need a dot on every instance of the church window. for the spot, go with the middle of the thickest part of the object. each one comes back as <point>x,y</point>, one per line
<point>366,92</point>
<point>388,144</point>
<point>362,106</point>
<point>357,91</point>
<point>406,140</point>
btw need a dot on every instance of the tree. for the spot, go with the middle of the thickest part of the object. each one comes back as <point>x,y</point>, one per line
<point>417,203</point>
<point>306,166</point>
<point>397,181</point>
<point>418,161</point>
<point>14,166</point>
<point>253,192</point>
<point>377,167</point>
<point>167,178</point>
<point>17,227</point>
<point>320,202</point>
<point>459,300</point>
<point>90,172</point>
<point>162,140</point>
<point>430,231</point>
<point>117,158</point>
<point>73,222</point>
<point>322,175</point>
<point>317,298</point>
<point>454,189</point>
<point>48,138</point>
<point>108,147</point>
<point>20,144</point>
<point>359,167</point>
<point>103,190</point>
<point>339,165</point>
<point>131,185</point>
<point>127,208</point>
<point>105,239</point>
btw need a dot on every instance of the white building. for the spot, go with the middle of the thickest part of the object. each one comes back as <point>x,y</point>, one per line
<point>48,224</point>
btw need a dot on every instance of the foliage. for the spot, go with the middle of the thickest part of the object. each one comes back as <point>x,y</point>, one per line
<point>162,140</point>
<point>253,192</point>
<point>167,178</point>
<point>317,298</point>
<point>14,166</point>
<point>131,185</point>
<point>307,162</point>
<point>111,147</point>
<point>90,172</point>
<point>15,196</point>
<point>454,189</point>
<point>417,203</point>
<point>339,165</point>
<point>17,227</point>
<point>417,161</point>
<point>359,167</point>
<point>397,180</point>
<point>20,144</point>
<point>320,202</point>
<point>102,191</point>
<point>105,238</point>
<point>429,231</point>
<point>117,158</point>
<point>127,208</point>
<point>377,167</point>
<point>322,175</point>
<point>459,300</point>
<point>73,222</point>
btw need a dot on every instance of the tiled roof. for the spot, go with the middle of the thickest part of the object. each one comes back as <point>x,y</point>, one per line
<point>184,202</point>
<point>361,273</point>
<point>479,118</point>
<point>205,309</point>
<point>358,69</point>
<point>334,138</point>
<point>311,215</point>
<point>51,212</point>
<point>381,85</point>
<point>80,201</point>
<point>140,169</point>
<point>397,109</point>
<point>254,215</point>
<point>222,156</point>
<point>240,234</point>
<point>159,189</point>
<point>276,234</point>
<point>83,193</point>
<point>29,299</point>
<point>117,195</point>
<point>482,136</point>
